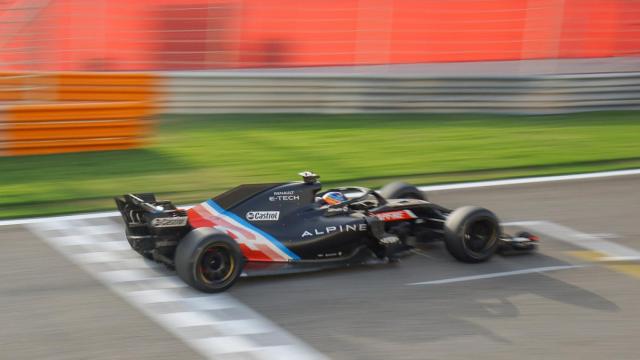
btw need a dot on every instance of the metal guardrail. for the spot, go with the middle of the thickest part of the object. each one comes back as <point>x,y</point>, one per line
<point>217,92</point>
<point>68,112</point>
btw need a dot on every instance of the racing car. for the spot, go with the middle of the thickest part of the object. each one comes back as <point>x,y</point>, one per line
<point>259,229</point>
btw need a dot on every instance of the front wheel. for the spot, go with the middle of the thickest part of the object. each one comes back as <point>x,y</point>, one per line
<point>401,190</point>
<point>471,234</point>
<point>208,260</point>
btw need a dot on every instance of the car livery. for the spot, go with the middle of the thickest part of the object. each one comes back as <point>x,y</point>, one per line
<point>259,229</point>
<point>256,245</point>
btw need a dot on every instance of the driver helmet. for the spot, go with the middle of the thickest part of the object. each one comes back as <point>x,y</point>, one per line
<point>334,197</point>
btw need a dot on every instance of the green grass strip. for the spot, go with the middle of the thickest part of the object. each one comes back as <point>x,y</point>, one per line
<point>194,157</point>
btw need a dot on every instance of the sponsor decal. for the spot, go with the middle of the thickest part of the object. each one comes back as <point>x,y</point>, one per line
<point>332,229</point>
<point>396,215</point>
<point>284,196</point>
<point>256,244</point>
<point>169,221</point>
<point>389,240</point>
<point>328,255</point>
<point>263,215</point>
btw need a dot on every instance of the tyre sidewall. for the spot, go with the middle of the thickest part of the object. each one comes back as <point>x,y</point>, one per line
<point>190,249</point>
<point>455,227</point>
<point>401,190</point>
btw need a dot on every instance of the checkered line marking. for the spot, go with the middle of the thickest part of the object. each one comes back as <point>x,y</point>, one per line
<point>216,325</point>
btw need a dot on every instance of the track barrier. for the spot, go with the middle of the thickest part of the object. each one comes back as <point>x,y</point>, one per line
<point>48,113</point>
<point>216,92</point>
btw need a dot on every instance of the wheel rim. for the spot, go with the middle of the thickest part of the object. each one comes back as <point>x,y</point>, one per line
<point>479,236</point>
<point>215,265</point>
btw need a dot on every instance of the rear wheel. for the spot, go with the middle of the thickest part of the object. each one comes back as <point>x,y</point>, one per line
<point>208,260</point>
<point>471,234</point>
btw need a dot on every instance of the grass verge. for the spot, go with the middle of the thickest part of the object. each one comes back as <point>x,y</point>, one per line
<point>194,157</point>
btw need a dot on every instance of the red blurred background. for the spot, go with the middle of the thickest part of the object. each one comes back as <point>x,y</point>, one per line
<point>214,34</point>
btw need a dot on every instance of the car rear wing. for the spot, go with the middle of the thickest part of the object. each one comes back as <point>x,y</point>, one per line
<point>143,210</point>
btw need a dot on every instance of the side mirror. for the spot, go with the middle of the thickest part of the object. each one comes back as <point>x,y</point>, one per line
<point>308,177</point>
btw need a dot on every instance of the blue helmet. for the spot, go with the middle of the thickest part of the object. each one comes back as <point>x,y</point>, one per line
<point>334,197</point>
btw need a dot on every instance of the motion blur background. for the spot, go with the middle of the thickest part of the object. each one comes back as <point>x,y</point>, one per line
<point>201,35</point>
<point>187,98</point>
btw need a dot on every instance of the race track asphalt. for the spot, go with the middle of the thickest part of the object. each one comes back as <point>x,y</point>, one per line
<point>52,309</point>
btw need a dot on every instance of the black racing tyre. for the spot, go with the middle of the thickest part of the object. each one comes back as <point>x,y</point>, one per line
<point>401,190</point>
<point>471,234</point>
<point>208,260</point>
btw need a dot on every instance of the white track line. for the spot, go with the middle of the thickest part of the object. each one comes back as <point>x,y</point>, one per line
<point>38,220</point>
<point>468,185</point>
<point>498,274</point>
<point>161,296</point>
<point>612,251</point>
<point>530,180</point>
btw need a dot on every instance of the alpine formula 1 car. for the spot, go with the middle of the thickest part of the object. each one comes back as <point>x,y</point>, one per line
<point>273,228</point>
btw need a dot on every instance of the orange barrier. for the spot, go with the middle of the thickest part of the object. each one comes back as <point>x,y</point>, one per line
<point>88,86</point>
<point>12,86</point>
<point>73,111</point>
